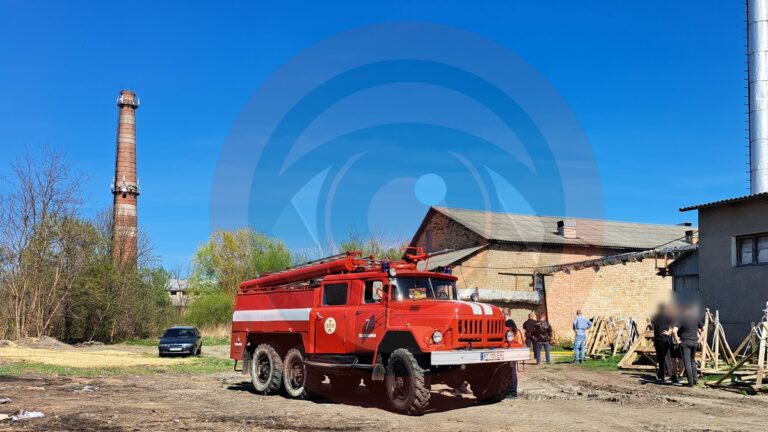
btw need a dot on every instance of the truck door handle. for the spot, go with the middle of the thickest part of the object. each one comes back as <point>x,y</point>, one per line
<point>318,316</point>
<point>358,312</point>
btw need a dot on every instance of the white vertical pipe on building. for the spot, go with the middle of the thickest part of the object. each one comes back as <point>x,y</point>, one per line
<point>757,53</point>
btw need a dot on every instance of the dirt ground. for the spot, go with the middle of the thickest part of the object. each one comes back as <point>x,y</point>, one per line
<point>560,397</point>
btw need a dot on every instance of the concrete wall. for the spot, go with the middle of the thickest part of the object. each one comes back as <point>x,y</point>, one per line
<point>740,293</point>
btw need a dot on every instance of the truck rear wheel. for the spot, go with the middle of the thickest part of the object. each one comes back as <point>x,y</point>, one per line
<point>407,387</point>
<point>296,375</point>
<point>266,369</point>
<point>492,384</point>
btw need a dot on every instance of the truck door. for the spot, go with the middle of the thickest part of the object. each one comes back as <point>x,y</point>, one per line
<point>369,317</point>
<point>332,316</point>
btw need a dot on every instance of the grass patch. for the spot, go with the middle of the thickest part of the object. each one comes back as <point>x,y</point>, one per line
<point>215,340</point>
<point>197,365</point>
<point>207,341</point>
<point>608,363</point>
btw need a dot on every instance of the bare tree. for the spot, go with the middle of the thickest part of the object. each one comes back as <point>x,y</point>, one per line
<point>42,242</point>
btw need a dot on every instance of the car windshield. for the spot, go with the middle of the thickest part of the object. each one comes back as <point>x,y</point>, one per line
<point>417,288</point>
<point>179,333</point>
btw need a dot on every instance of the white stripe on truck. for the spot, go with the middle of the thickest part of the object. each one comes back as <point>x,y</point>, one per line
<point>271,315</point>
<point>487,309</point>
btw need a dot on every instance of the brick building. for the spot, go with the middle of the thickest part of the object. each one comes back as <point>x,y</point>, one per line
<point>554,265</point>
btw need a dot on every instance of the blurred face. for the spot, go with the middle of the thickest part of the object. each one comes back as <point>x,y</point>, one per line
<point>532,316</point>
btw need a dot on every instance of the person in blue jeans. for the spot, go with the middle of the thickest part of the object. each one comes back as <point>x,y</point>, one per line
<point>580,327</point>
<point>542,337</point>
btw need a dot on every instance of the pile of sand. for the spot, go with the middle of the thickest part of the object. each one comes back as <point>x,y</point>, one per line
<point>44,342</point>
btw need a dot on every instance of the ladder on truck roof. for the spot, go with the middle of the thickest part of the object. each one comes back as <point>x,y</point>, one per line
<point>306,272</point>
<point>318,261</point>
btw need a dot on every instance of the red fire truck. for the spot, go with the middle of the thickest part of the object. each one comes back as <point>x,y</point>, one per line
<point>391,324</point>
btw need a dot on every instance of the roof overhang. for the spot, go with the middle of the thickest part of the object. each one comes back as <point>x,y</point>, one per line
<point>732,201</point>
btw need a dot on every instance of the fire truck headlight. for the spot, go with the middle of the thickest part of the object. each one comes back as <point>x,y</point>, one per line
<point>437,337</point>
<point>510,336</point>
<point>392,272</point>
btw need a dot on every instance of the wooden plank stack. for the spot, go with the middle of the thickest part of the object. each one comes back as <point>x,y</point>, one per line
<point>749,373</point>
<point>610,335</point>
<point>641,355</point>
<point>715,355</point>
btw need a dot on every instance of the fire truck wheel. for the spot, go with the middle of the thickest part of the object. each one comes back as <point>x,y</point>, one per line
<point>492,385</point>
<point>407,387</point>
<point>266,369</point>
<point>296,377</point>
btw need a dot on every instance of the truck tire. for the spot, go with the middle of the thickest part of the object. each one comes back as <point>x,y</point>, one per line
<point>491,385</point>
<point>406,386</point>
<point>296,375</point>
<point>266,370</point>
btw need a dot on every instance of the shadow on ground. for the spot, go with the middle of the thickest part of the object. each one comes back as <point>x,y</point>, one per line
<point>442,398</point>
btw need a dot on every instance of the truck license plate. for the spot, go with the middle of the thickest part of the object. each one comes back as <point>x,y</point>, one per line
<point>491,356</point>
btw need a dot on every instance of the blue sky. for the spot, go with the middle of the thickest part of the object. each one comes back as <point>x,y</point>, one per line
<point>657,88</point>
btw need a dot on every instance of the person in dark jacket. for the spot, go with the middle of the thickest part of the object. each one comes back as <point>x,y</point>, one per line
<point>543,335</point>
<point>685,333</point>
<point>529,327</point>
<point>662,340</point>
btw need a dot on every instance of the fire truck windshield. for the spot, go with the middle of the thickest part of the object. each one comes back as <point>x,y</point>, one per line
<point>417,288</point>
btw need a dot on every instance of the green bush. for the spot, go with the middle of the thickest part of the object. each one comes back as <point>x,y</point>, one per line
<point>209,309</point>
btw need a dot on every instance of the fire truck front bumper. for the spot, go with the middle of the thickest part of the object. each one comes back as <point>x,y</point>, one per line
<point>476,356</point>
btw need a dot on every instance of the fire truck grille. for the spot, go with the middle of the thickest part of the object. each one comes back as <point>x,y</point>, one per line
<point>479,330</point>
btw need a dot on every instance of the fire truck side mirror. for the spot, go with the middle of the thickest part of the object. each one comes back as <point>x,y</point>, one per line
<point>378,291</point>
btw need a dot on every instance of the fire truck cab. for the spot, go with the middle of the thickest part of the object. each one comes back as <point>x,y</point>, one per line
<point>391,324</point>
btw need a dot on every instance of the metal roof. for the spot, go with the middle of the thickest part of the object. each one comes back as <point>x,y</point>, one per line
<point>449,258</point>
<point>726,201</point>
<point>518,228</point>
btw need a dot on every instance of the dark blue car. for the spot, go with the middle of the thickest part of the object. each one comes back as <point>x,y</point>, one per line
<point>181,340</point>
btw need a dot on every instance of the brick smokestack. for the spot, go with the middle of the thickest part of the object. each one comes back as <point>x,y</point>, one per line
<point>125,186</point>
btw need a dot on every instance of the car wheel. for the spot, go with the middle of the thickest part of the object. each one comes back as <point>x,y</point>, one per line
<point>266,369</point>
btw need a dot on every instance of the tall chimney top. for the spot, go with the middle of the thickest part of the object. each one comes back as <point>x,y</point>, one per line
<point>128,98</point>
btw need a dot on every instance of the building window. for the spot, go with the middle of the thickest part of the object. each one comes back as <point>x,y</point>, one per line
<point>516,281</point>
<point>752,249</point>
